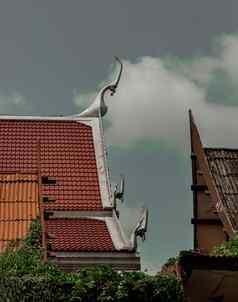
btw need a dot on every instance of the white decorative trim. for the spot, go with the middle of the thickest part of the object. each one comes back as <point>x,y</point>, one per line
<point>119,239</point>
<point>43,118</point>
<point>106,196</point>
<point>75,264</point>
<point>127,261</point>
<point>94,254</point>
<point>81,214</point>
<point>98,108</point>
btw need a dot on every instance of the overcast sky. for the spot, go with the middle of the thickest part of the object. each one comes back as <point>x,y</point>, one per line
<point>55,54</point>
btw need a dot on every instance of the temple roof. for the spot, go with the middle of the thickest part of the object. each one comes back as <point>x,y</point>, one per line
<point>61,161</point>
<point>57,167</point>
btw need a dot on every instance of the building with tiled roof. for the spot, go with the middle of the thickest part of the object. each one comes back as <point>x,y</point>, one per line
<point>215,192</point>
<point>209,276</point>
<point>55,168</point>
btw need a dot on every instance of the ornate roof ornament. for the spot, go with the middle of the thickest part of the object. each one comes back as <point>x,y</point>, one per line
<point>140,228</point>
<point>98,107</point>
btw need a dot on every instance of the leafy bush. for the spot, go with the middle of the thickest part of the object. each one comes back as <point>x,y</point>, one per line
<point>28,289</point>
<point>24,277</point>
<point>228,248</point>
<point>142,287</point>
<point>24,257</point>
<point>171,261</point>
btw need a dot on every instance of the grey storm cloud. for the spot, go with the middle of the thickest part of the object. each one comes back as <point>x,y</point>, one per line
<point>155,94</point>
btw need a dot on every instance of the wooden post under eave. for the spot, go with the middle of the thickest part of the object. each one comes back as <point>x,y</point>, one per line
<point>194,181</point>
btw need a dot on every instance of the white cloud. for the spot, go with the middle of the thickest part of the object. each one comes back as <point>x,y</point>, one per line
<point>153,99</point>
<point>13,103</point>
<point>228,56</point>
<point>151,103</point>
<point>200,69</point>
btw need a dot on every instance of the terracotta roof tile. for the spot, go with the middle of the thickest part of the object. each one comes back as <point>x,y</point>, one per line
<point>18,211</point>
<point>12,230</point>
<point>63,151</point>
<point>66,154</point>
<point>18,188</point>
<point>79,235</point>
<point>18,205</point>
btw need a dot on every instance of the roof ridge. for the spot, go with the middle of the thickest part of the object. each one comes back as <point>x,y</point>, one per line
<point>64,118</point>
<point>221,149</point>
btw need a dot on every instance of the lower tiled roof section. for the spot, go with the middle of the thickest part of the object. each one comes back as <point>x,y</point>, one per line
<point>78,235</point>
<point>18,205</point>
<point>223,164</point>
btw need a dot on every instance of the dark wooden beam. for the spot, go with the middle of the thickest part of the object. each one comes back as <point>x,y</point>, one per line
<point>45,180</point>
<point>194,179</point>
<point>209,221</point>
<point>198,188</point>
<point>47,199</point>
<point>206,262</point>
<point>47,214</point>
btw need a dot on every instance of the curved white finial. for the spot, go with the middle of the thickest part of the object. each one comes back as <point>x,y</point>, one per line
<point>98,107</point>
<point>141,228</point>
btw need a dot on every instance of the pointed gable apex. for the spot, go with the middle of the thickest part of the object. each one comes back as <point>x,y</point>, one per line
<point>199,155</point>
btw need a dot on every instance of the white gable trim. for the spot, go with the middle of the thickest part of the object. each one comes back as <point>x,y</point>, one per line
<point>119,238</point>
<point>73,263</point>
<point>43,118</point>
<point>95,254</point>
<point>100,152</point>
<point>80,214</point>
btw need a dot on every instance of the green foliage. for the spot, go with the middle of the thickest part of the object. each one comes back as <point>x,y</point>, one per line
<point>142,287</point>
<point>99,283</point>
<point>24,277</point>
<point>28,289</point>
<point>24,257</point>
<point>228,248</point>
<point>171,261</point>
<point>103,284</point>
<point>33,238</point>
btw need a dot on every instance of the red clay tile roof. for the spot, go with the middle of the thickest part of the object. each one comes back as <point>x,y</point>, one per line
<point>63,151</point>
<point>223,165</point>
<point>66,154</point>
<point>80,235</point>
<point>18,205</point>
